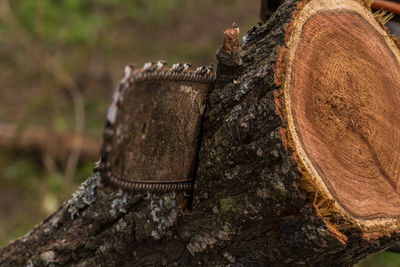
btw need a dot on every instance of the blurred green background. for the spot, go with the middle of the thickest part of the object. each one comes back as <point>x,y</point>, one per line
<point>59,63</point>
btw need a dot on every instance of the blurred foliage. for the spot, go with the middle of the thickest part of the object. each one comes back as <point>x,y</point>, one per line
<point>56,54</point>
<point>385,259</point>
<point>77,22</point>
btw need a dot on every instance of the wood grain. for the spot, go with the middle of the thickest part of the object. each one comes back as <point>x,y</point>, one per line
<point>346,98</point>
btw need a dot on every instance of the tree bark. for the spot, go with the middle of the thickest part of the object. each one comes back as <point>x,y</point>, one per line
<point>255,200</point>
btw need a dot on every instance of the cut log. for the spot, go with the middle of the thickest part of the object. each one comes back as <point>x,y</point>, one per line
<point>340,99</point>
<point>298,163</point>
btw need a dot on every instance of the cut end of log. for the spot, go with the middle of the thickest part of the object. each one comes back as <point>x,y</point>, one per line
<point>341,97</point>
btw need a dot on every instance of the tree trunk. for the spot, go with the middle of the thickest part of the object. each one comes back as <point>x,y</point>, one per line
<point>298,163</point>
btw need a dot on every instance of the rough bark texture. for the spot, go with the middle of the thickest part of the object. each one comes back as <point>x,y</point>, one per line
<point>248,208</point>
